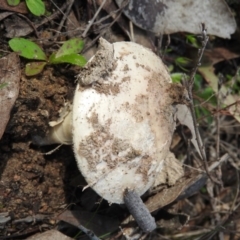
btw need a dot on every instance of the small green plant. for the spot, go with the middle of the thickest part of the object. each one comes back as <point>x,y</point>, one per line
<point>203,93</point>
<point>191,39</point>
<point>36,7</point>
<point>177,77</point>
<point>13,2</point>
<point>2,85</point>
<point>182,62</point>
<point>233,82</point>
<point>67,53</point>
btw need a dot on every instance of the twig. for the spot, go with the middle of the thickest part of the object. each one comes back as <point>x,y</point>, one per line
<point>201,179</point>
<point>189,234</point>
<point>236,195</point>
<point>88,232</point>
<point>189,86</point>
<point>70,3</point>
<point>217,118</point>
<point>160,39</point>
<point>30,23</point>
<point>131,31</point>
<point>48,19</point>
<point>223,159</point>
<point>61,10</point>
<point>96,38</point>
<point>53,150</point>
<point>199,58</point>
<point>231,151</point>
<point>93,19</point>
<point>119,11</point>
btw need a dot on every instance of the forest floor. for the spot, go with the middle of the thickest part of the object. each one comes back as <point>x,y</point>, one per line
<point>41,188</point>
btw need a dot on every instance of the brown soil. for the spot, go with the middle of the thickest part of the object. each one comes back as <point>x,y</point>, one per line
<point>32,182</point>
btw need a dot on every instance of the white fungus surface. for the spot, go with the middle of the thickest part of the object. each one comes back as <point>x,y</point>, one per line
<point>123,119</point>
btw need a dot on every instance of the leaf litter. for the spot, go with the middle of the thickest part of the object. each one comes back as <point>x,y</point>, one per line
<point>168,17</point>
<point>39,106</point>
<point>10,73</point>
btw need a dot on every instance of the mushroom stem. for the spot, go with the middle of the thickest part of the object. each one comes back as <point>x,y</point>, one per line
<point>139,211</point>
<point>61,133</point>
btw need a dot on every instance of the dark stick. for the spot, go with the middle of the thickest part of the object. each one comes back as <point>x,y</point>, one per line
<point>88,232</point>
<point>139,211</point>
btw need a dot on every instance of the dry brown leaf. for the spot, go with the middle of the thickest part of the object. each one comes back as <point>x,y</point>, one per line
<point>139,35</point>
<point>10,73</point>
<point>4,15</point>
<point>171,172</point>
<point>167,195</point>
<point>210,58</point>
<point>217,55</point>
<point>208,73</point>
<point>185,118</point>
<point>185,187</point>
<point>20,8</point>
<point>207,70</point>
<point>183,15</point>
<point>233,103</point>
<point>97,223</point>
<point>16,27</point>
<point>72,24</point>
<point>226,98</point>
<point>50,235</point>
<point>171,219</point>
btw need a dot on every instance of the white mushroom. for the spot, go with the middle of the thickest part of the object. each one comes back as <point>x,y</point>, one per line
<point>123,122</point>
<point>123,119</point>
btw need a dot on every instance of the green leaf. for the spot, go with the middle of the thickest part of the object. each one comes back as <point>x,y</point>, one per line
<point>198,82</point>
<point>74,45</point>
<point>177,77</point>
<point>183,61</point>
<point>202,112</point>
<point>73,58</point>
<point>13,2</point>
<point>27,49</point>
<point>34,68</point>
<point>36,7</point>
<point>192,40</point>
<point>2,85</point>
<point>208,95</point>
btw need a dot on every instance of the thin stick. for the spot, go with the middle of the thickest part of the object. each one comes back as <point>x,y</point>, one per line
<point>201,179</point>
<point>30,23</point>
<point>70,3</point>
<point>48,19</point>
<point>96,38</point>
<point>131,31</point>
<point>218,118</point>
<point>190,89</point>
<point>93,19</point>
<point>233,207</point>
<point>61,10</point>
<point>88,232</point>
<point>199,58</point>
<point>189,86</point>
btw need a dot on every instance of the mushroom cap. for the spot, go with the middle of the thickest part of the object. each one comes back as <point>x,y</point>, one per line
<point>123,122</point>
